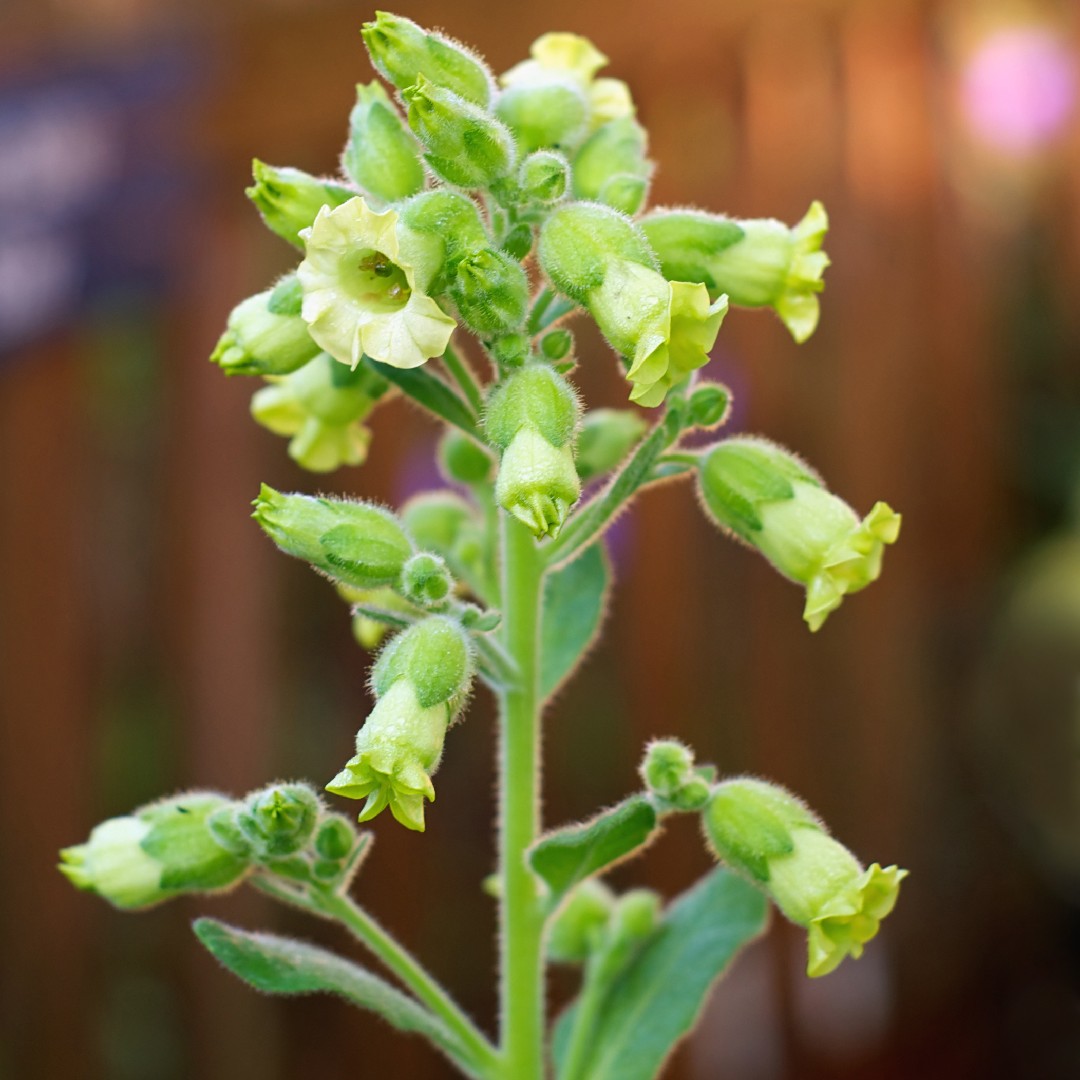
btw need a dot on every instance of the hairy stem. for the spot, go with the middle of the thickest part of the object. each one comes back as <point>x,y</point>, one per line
<point>459,369</point>
<point>398,960</point>
<point>522,988</point>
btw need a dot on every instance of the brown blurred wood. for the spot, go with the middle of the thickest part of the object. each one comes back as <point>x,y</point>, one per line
<point>47,721</point>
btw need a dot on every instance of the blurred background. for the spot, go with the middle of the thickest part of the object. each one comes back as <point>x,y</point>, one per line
<point>151,640</point>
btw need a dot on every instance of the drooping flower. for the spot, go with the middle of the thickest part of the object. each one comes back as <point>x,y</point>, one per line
<point>363,294</point>
<point>766,833</point>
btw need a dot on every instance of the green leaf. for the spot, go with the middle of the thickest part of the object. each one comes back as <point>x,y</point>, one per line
<point>430,392</point>
<point>658,998</point>
<point>278,965</point>
<point>574,600</point>
<point>570,855</point>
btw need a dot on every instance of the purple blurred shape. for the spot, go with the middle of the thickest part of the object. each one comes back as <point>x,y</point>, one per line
<point>1019,88</point>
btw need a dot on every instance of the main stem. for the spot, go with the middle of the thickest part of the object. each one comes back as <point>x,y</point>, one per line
<point>522,987</point>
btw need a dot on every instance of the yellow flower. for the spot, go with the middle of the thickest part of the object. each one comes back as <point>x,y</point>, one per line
<point>363,294</point>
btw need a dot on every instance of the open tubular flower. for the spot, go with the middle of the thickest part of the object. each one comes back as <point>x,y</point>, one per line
<point>758,263</point>
<point>157,852</point>
<point>665,329</point>
<point>768,498</point>
<point>766,833</point>
<point>364,295</point>
<point>420,683</point>
<point>321,407</point>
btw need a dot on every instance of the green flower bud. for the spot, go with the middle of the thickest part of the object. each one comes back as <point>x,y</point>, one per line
<point>278,820</point>
<point>769,499</point>
<point>363,281</point>
<point>442,522</point>
<point>420,681</point>
<point>544,177</point>
<point>426,581</point>
<point>545,112</point>
<point>710,404</point>
<point>446,226</point>
<point>158,852</point>
<point>401,51</point>
<point>321,407</point>
<point>466,145</point>
<point>381,154</point>
<point>264,337</point>
<point>463,459</point>
<point>353,542</point>
<point>289,199</point>
<point>531,417</point>
<point>766,833</point>
<point>665,329</point>
<point>334,838</point>
<point>577,928</point>
<point>669,774</point>
<point>518,242</point>
<point>510,350</point>
<point>606,437</point>
<point>757,263</point>
<point>612,167</point>
<point>491,292</point>
<point>557,345</point>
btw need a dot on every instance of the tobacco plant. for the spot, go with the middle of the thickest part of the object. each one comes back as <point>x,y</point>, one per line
<point>502,211</point>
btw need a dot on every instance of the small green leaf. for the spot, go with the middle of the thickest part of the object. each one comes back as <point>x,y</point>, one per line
<point>430,392</point>
<point>658,998</point>
<point>278,965</point>
<point>574,599</point>
<point>570,855</point>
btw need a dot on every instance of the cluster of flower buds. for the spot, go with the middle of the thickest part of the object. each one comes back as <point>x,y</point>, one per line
<point>768,498</point>
<point>767,834</point>
<point>420,683</point>
<point>202,842</point>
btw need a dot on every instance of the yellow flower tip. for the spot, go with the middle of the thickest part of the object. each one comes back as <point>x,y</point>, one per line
<point>567,52</point>
<point>609,99</point>
<point>813,227</point>
<point>680,343</point>
<point>800,312</point>
<point>851,564</point>
<point>852,919</point>
<point>360,294</point>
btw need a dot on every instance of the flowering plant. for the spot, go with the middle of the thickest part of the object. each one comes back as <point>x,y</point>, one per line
<point>504,209</point>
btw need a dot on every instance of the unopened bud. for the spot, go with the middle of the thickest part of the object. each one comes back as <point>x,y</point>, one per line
<point>491,292</point>
<point>463,459</point>
<point>278,820</point>
<point>612,166</point>
<point>265,335</point>
<point>290,199</point>
<point>381,154</point>
<point>353,542</point>
<point>545,112</point>
<point>606,437</point>
<point>426,581</point>
<point>401,51</point>
<point>544,177</point>
<point>466,145</point>
<point>578,927</point>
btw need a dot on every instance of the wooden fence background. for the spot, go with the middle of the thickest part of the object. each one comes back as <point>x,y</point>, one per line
<point>150,640</point>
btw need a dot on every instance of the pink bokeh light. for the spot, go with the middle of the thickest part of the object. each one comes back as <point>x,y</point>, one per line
<point>1019,89</point>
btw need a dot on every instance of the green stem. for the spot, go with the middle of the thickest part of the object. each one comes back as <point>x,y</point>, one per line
<point>522,988</point>
<point>464,378</point>
<point>588,521</point>
<point>398,960</point>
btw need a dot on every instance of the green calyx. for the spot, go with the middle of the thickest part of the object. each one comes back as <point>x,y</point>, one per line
<point>352,542</point>
<point>612,166</point>
<point>278,820</point>
<point>491,292</point>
